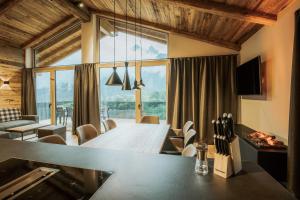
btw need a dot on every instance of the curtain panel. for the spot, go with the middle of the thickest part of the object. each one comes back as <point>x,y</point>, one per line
<point>294,118</point>
<point>200,89</point>
<point>28,104</point>
<point>86,98</point>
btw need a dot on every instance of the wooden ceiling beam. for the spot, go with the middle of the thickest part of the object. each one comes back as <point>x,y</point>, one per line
<point>11,63</point>
<point>69,7</point>
<point>50,32</point>
<point>7,5</point>
<point>4,43</point>
<point>226,10</point>
<point>169,29</point>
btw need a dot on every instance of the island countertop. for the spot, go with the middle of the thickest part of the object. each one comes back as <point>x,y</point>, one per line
<point>147,176</point>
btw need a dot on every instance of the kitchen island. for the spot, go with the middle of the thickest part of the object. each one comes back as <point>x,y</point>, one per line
<point>146,176</point>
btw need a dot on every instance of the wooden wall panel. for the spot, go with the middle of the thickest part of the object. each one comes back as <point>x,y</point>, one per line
<point>11,98</point>
<point>12,54</point>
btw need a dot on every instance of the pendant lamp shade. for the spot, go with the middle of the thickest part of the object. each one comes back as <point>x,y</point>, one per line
<point>114,79</point>
<point>126,81</point>
<point>135,86</point>
<point>141,85</point>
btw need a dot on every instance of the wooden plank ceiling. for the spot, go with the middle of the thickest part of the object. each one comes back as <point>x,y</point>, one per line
<point>227,23</point>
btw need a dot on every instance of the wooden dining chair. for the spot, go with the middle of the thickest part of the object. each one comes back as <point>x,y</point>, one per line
<point>85,133</point>
<point>181,142</point>
<point>181,132</point>
<point>53,139</point>
<point>189,151</point>
<point>109,124</point>
<point>150,120</point>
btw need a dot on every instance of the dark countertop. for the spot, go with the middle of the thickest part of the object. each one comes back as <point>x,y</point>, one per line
<point>145,176</point>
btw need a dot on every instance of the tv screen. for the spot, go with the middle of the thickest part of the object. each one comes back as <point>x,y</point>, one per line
<point>248,78</point>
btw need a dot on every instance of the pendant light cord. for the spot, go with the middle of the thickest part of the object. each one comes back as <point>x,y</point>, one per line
<point>126,30</point>
<point>135,32</point>
<point>141,36</point>
<point>114,33</point>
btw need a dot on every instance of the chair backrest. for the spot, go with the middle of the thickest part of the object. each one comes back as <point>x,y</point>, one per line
<point>189,151</point>
<point>187,126</point>
<point>110,124</point>
<point>53,139</point>
<point>189,137</point>
<point>85,133</point>
<point>150,120</point>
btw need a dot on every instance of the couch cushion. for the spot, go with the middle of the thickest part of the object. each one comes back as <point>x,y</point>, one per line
<point>12,124</point>
<point>9,114</point>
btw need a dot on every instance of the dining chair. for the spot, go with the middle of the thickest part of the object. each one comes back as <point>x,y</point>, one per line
<point>109,124</point>
<point>184,130</point>
<point>181,142</point>
<point>150,120</point>
<point>189,151</point>
<point>85,133</point>
<point>53,139</point>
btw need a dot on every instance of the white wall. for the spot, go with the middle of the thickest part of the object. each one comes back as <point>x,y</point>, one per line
<point>275,45</point>
<point>179,46</point>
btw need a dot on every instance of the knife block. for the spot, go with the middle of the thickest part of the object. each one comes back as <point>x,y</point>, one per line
<point>225,166</point>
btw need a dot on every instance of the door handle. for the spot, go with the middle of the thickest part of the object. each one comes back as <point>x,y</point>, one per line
<point>50,105</point>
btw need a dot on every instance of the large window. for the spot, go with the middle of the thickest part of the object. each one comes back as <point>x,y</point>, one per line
<point>153,44</point>
<point>152,48</point>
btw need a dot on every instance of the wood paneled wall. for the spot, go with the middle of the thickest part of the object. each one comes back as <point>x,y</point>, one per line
<point>11,63</point>
<point>11,98</point>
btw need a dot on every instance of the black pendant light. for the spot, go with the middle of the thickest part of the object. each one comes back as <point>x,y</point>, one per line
<point>114,79</point>
<point>126,81</point>
<point>135,84</point>
<point>141,84</point>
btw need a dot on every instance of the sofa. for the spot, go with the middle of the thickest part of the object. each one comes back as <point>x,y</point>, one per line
<point>11,117</point>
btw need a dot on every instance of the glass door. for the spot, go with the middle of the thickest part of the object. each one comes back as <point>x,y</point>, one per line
<point>43,96</point>
<point>64,92</point>
<point>153,96</point>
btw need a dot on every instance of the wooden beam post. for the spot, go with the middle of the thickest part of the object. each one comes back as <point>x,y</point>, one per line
<point>226,10</point>
<point>69,7</point>
<point>169,29</point>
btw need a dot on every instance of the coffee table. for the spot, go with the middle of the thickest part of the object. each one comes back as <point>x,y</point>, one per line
<point>27,128</point>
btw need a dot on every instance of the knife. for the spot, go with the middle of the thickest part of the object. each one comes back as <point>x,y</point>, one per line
<point>220,137</point>
<point>215,136</point>
<point>230,124</point>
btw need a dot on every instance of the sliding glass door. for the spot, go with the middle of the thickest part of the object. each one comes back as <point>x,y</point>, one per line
<point>64,90</point>
<point>43,96</point>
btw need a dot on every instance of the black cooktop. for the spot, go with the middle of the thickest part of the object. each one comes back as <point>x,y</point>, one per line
<point>25,179</point>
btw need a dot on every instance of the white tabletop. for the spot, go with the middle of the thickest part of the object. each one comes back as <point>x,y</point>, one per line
<point>141,138</point>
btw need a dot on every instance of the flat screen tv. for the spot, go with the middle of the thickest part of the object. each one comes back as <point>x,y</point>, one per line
<point>248,77</point>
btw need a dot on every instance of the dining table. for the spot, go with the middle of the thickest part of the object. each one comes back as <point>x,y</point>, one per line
<point>134,137</point>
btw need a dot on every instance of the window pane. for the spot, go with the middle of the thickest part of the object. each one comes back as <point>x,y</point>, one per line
<point>154,43</point>
<point>43,96</point>
<point>115,102</point>
<point>64,98</point>
<point>63,49</point>
<point>154,94</point>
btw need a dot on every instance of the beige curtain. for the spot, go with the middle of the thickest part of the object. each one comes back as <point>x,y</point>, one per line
<point>200,89</point>
<point>28,103</point>
<point>86,99</point>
